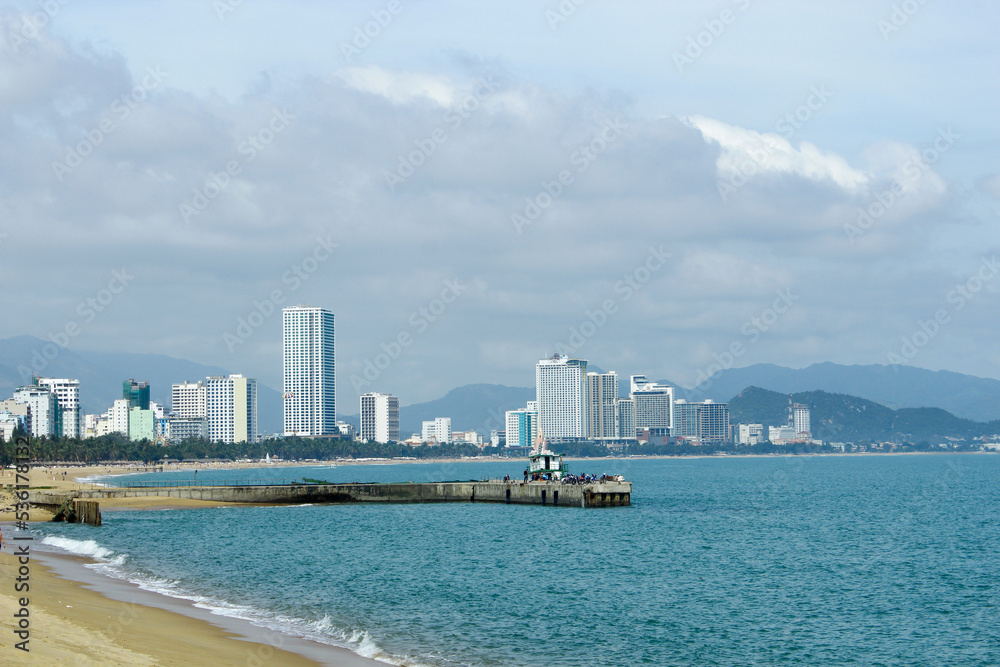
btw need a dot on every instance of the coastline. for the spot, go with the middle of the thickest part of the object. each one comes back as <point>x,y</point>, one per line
<point>70,478</point>
<point>81,617</point>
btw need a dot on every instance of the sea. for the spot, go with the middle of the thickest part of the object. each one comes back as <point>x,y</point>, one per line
<point>798,560</point>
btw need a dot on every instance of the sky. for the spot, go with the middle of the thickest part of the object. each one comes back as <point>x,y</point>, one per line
<point>665,189</point>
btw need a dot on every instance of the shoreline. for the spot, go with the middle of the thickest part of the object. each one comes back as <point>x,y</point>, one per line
<point>78,616</point>
<point>75,478</point>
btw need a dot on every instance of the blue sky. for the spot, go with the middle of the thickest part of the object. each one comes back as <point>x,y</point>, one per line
<point>840,154</point>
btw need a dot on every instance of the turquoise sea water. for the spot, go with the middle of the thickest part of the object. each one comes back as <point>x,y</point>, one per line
<point>875,560</point>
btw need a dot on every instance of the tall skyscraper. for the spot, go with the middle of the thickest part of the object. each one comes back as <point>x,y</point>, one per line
<point>310,381</point>
<point>379,418</point>
<point>561,392</point>
<point>232,409</point>
<point>68,398</point>
<point>602,393</point>
<point>136,393</point>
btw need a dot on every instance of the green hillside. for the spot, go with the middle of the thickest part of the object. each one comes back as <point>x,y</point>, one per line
<point>838,417</point>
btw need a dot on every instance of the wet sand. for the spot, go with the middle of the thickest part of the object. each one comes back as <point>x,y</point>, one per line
<point>79,617</point>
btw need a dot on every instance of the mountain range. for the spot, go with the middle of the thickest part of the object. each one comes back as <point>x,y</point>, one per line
<point>838,417</point>
<point>482,406</point>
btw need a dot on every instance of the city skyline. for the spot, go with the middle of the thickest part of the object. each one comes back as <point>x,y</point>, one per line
<point>828,194</point>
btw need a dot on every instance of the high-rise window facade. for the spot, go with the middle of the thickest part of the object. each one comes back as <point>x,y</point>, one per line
<point>379,418</point>
<point>561,392</point>
<point>602,393</point>
<point>231,407</point>
<point>309,362</point>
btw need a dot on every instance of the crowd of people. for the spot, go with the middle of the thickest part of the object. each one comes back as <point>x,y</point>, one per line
<point>568,478</point>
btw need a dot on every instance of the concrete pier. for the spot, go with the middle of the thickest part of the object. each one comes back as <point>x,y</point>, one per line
<point>595,494</point>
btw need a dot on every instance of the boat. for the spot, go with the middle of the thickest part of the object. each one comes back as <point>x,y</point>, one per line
<point>544,464</point>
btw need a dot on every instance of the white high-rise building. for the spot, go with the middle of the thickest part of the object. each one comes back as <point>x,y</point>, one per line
<point>602,393</point>
<point>118,416</point>
<point>561,392</point>
<point>522,426</point>
<point>68,397</point>
<point>706,422</point>
<point>43,410</point>
<point>231,407</point>
<point>189,400</point>
<point>800,420</point>
<point>625,418</point>
<point>310,381</point>
<point>438,430</point>
<point>379,418</point>
<point>654,405</point>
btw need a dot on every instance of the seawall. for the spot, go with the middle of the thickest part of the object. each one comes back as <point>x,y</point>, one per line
<point>597,494</point>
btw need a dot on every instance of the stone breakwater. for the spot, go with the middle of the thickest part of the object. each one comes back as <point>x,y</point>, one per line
<point>597,494</point>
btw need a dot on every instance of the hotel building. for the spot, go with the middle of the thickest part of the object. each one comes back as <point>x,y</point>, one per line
<point>68,399</point>
<point>379,418</point>
<point>231,408</point>
<point>561,392</point>
<point>602,393</point>
<point>309,361</point>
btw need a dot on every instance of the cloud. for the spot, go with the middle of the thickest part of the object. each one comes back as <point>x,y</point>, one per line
<point>476,156</point>
<point>398,87</point>
<point>772,153</point>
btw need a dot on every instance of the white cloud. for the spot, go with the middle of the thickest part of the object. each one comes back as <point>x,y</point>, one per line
<point>747,151</point>
<point>397,86</point>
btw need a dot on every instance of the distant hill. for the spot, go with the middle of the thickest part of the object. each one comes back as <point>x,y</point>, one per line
<point>482,406</point>
<point>101,375</point>
<point>838,417</point>
<point>893,386</point>
<point>478,407</point>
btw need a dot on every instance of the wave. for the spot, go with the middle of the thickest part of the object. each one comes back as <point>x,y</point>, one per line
<point>79,547</point>
<point>114,565</point>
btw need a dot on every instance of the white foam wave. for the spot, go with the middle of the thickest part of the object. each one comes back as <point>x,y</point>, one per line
<point>324,630</point>
<point>79,547</point>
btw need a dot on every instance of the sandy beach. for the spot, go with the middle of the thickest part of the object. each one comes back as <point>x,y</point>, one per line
<point>79,617</point>
<point>73,624</point>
